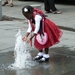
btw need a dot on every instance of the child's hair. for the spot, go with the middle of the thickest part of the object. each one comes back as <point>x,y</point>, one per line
<point>27,9</point>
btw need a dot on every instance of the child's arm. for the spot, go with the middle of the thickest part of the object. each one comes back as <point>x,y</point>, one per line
<point>25,37</point>
<point>32,36</point>
<point>37,25</point>
<point>28,32</point>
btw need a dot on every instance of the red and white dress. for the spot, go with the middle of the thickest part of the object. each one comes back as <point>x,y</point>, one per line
<point>53,32</point>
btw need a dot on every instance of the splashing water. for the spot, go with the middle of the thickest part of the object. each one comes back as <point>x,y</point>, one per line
<point>21,54</point>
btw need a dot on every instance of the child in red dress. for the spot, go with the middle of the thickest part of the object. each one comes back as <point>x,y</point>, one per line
<point>35,19</point>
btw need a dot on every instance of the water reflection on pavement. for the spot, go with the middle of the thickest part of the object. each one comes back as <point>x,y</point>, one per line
<point>58,64</point>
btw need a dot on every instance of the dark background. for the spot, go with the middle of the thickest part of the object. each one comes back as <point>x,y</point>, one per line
<point>70,2</point>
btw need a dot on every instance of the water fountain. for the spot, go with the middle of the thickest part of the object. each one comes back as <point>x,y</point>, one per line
<point>19,61</point>
<point>21,53</point>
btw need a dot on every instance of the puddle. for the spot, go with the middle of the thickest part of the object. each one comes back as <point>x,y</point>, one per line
<point>7,59</point>
<point>57,65</point>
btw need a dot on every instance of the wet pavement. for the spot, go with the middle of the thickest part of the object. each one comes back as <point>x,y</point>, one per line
<point>62,55</point>
<point>59,64</point>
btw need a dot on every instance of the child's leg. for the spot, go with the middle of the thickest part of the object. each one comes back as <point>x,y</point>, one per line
<point>46,50</point>
<point>39,55</point>
<point>45,56</point>
<point>40,50</point>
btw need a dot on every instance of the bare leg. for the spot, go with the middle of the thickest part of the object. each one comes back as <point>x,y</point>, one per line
<point>39,55</point>
<point>40,50</point>
<point>5,2</point>
<point>46,50</point>
<point>45,56</point>
<point>11,3</point>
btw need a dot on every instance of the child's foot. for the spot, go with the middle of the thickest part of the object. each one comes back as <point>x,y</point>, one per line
<point>11,4</point>
<point>57,12</point>
<point>39,56</point>
<point>45,58</point>
<point>4,3</point>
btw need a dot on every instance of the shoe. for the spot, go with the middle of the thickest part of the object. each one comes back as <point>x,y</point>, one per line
<point>11,4</point>
<point>37,57</point>
<point>43,59</point>
<point>4,3</point>
<point>49,11</point>
<point>57,12</point>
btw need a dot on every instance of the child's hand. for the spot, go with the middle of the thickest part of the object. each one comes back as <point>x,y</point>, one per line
<point>24,38</point>
<point>28,41</point>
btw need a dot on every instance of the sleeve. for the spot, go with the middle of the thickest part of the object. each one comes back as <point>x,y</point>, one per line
<point>37,23</point>
<point>29,27</point>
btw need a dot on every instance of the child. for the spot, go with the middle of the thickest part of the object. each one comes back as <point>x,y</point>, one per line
<point>35,21</point>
